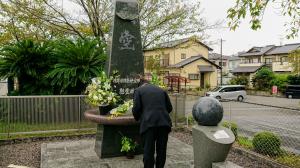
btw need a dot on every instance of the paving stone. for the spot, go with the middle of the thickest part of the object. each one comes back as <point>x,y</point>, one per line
<point>80,153</point>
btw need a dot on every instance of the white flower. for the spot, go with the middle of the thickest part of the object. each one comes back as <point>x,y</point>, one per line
<point>95,97</point>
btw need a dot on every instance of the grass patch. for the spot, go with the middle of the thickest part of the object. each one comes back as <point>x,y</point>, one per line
<point>245,142</point>
<point>49,134</point>
<point>24,127</point>
<point>23,130</point>
<point>289,159</point>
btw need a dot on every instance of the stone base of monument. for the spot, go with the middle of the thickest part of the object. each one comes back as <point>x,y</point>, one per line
<point>110,132</point>
<point>108,139</point>
<point>211,144</point>
<point>225,164</point>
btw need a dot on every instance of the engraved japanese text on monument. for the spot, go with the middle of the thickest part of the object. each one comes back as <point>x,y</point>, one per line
<point>126,41</point>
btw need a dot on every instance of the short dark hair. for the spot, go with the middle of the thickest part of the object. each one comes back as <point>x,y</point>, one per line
<point>143,81</point>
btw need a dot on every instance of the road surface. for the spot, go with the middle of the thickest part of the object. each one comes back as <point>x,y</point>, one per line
<point>284,119</point>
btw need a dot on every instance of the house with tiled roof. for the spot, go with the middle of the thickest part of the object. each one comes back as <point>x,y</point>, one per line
<point>216,58</point>
<point>185,58</point>
<point>274,57</point>
<point>223,62</point>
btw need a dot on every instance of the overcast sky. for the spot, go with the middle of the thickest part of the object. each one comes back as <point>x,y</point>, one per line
<point>272,32</point>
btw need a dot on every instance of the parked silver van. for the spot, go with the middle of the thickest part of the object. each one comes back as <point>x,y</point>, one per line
<point>232,92</point>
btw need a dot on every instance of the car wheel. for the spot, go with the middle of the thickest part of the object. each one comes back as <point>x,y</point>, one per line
<point>290,96</point>
<point>218,97</point>
<point>240,98</point>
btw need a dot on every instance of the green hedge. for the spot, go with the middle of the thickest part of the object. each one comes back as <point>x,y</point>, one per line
<point>267,143</point>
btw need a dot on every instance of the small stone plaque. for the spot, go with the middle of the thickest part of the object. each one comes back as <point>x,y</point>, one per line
<point>221,134</point>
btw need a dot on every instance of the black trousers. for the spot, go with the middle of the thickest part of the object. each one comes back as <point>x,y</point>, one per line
<point>155,136</point>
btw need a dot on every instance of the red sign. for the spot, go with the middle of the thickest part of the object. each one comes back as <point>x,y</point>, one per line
<point>274,89</point>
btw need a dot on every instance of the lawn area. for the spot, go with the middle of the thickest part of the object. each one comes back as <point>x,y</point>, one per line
<point>22,130</point>
<point>48,134</point>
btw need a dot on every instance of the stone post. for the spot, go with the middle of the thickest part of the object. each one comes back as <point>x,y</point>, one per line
<point>211,142</point>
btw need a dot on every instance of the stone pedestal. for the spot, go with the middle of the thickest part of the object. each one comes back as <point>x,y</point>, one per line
<point>108,139</point>
<point>211,144</point>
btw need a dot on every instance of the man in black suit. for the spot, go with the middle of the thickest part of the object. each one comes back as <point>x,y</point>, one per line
<point>151,106</point>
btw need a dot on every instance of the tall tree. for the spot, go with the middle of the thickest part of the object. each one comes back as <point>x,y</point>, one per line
<point>160,19</point>
<point>294,60</point>
<point>16,24</point>
<point>152,64</point>
<point>256,9</point>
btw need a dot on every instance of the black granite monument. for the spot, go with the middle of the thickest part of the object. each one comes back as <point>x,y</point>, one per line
<point>125,54</point>
<point>125,58</point>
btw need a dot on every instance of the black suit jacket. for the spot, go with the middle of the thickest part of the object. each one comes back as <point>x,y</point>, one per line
<point>151,106</point>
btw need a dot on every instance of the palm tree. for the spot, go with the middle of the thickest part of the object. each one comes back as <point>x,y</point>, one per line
<point>78,62</point>
<point>28,62</point>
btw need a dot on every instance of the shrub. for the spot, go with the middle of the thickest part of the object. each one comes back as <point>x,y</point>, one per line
<point>239,80</point>
<point>293,79</point>
<point>78,61</point>
<point>207,86</point>
<point>280,81</point>
<point>190,120</point>
<point>262,79</point>
<point>232,126</point>
<point>28,61</point>
<point>267,143</point>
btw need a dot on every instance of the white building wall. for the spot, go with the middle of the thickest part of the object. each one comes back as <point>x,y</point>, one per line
<point>3,87</point>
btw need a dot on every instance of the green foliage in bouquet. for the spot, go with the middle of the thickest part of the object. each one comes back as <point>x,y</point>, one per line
<point>122,109</point>
<point>128,145</point>
<point>100,91</point>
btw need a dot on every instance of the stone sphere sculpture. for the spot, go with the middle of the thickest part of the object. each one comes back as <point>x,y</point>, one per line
<point>208,111</point>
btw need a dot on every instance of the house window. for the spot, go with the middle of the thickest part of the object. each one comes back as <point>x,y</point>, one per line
<point>268,60</point>
<point>283,59</point>
<point>249,60</point>
<point>183,56</point>
<point>165,60</point>
<point>220,64</point>
<point>164,73</point>
<point>194,76</point>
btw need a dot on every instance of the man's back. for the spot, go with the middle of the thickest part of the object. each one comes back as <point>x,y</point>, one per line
<point>152,107</point>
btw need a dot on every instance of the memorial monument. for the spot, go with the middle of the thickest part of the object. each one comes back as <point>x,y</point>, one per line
<point>125,53</point>
<point>126,59</point>
<point>211,142</point>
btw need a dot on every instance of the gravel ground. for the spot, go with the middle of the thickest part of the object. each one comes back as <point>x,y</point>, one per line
<point>23,154</point>
<point>28,153</point>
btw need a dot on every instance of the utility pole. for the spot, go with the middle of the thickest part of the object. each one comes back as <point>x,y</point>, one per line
<point>222,61</point>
